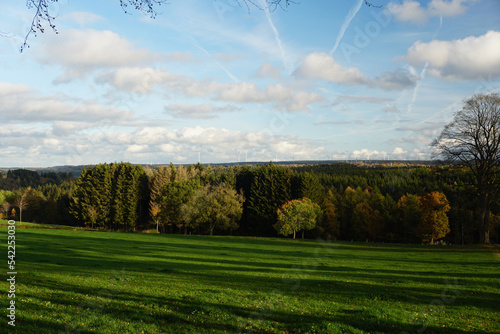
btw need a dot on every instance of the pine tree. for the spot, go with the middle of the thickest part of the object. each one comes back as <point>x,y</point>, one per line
<point>409,217</point>
<point>271,188</point>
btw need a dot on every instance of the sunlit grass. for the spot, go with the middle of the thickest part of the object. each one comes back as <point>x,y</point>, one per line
<point>102,282</point>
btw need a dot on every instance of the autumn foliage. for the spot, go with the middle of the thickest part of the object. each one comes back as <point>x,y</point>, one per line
<point>297,215</point>
<point>434,221</point>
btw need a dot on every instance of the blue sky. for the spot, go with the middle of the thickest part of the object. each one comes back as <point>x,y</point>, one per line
<point>224,83</point>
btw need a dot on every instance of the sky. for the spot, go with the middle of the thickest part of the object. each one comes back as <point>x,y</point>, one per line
<point>213,81</point>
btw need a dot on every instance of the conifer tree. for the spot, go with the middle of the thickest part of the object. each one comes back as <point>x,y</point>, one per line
<point>331,216</point>
<point>409,217</point>
<point>271,188</point>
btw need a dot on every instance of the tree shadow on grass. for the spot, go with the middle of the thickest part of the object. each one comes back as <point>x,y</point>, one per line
<point>290,272</point>
<point>130,311</point>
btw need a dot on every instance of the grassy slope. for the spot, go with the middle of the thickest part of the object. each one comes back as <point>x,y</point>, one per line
<point>98,282</point>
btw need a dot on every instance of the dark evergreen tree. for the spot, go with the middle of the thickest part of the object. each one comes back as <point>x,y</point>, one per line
<point>270,189</point>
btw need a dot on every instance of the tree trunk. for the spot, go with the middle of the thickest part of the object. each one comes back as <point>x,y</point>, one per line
<point>302,234</point>
<point>211,231</point>
<point>294,234</point>
<point>484,224</point>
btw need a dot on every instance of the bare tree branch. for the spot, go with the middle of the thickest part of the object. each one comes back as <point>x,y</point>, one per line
<point>473,139</point>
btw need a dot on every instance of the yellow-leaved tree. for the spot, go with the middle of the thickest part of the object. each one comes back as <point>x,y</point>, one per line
<point>297,215</point>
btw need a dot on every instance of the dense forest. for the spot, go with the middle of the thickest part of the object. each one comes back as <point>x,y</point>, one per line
<point>361,202</point>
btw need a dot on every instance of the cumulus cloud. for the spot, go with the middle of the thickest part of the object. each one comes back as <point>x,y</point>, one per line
<point>268,70</point>
<point>80,51</point>
<point>399,153</point>
<point>448,8</point>
<point>323,66</point>
<point>369,154</point>
<point>216,144</point>
<point>141,80</point>
<point>464,59</point>
<point>21,103</point>
<point>65,128</point>
<point>137,79</point>
<point>412,11</point>
<point>281,96</point>
<point>320,65</point>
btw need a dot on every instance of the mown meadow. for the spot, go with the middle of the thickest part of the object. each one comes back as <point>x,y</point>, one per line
<point>75,281</point>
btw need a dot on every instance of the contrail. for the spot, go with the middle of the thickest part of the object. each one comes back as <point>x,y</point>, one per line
<point>276,33</point>
<point>417,86</point>
<point>422,73</point>
<point>352,13</point>
<point>232,76</point>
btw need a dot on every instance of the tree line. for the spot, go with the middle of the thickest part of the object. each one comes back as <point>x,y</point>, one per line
<point>382,203</point>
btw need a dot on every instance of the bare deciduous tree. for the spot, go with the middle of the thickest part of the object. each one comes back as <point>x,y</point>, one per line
<point>22,202</point>
<point>473,140</point>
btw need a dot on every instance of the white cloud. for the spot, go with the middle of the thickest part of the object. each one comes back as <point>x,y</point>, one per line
<point>198,111</point>
<point>65,128</point>
<point>408,11</point>
<point>464,59</point>
<point>21,103</point>
<point>247,92</point>
<point>268,70</point>
<point>216,144</point>
<point>9,89</point>
<point>170,148</point>
<point>141,80</point>
<point>369,154</point>
<point>137,79</point>
<point>323,66</point>
<point>412,11</point>
<point>300,101</point>
<point>399,153</point>
<point>447,8</point>
<point>136,148</point>
<point>80,51</point>
<point>282,97</point>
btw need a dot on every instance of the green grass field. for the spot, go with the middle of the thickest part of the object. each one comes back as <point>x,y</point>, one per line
<point>101,282</point>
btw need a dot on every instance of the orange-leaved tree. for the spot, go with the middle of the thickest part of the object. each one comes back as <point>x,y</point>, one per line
<point>434,222</point>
